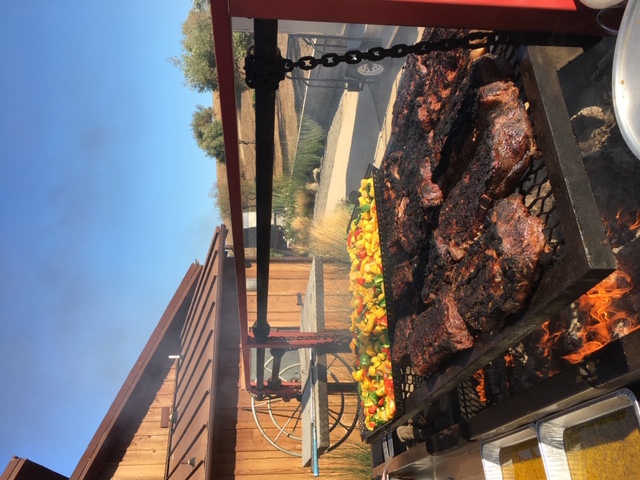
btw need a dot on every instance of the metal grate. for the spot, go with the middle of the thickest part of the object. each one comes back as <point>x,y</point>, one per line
<point>536,189</point>
<point>470,403</point>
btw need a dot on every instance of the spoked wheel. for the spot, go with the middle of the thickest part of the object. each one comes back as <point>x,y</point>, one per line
<point>280,422</point>
<point>370,69</point>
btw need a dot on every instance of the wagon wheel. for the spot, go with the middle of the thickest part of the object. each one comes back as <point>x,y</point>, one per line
<point>280,422</point>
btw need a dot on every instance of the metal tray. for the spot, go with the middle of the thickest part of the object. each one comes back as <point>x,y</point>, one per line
<point>551,430</point>
<point>491,450</point>
<point>626,77</point>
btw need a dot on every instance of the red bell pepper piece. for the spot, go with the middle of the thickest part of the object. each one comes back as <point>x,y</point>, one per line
<point>388,387</point>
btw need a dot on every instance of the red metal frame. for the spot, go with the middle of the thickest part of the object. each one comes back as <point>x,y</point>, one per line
<point>553,16</point>
<point>224,63</point>
<point>286,391</point>
<point>337,341</point>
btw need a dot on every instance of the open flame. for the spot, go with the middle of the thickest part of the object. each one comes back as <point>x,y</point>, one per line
<point>636,225</point>
<point>480,388</point>
<point>547,343</point>
<point>606,321</point>
<point>608,311</point>
<point>621,228</point>
<point>509,361</point>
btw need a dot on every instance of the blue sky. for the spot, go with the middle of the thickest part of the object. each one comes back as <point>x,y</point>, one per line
<point>104,206</point>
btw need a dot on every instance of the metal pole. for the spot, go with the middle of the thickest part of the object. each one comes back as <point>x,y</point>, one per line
<point>266,51</point>
<point>314,431</point>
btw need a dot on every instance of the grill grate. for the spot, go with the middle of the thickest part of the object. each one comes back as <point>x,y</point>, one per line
<point>470,403</point>
<point>536,189</point>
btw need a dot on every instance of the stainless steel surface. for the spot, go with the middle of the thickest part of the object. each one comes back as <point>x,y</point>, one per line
<point>491,450</point>
<point>551,430</point>
<point>626,77</point>
<point>463,463</point>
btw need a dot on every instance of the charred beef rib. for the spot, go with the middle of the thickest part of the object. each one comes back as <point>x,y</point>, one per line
<point>461,141</point>
<point>402,337</point>
<point>503,140</point>
<point>499,150</point>
<point>431,92</point>
<point>496,277</point>
<point>438,333</point>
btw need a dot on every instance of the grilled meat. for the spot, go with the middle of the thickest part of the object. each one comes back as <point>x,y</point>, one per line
<point>405,287</point>
<point>402,336</point>
<point>503,146</point>
<point>496,277</point>
<point>430,93</point>
<point>461,141</point>
<point>438,333</point>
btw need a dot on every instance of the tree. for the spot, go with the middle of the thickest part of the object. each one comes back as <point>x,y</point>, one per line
<point>220,195</point>
<point>198,61</point>
<point>241,41</point>
<point>208,133</point>
<point>201,5</point>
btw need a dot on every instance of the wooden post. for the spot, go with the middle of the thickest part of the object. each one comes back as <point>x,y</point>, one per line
<point>312,320</point>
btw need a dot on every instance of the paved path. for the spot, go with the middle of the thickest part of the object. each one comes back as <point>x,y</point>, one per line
<point>359,132</point>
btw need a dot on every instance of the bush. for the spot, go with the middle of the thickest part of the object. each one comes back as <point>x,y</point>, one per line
<point>221,199</point>
<point>324,237</point>
<point>309,152</point>
<point>241,42</point>
<point>208,133</point>
<point>328,237</point>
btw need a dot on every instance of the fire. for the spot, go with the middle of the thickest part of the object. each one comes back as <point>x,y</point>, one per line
<point>606,321</point>
<point>480,388</point>
<point>624,219</point>
<point>547,343</point>
<point>636,225</point>
<point>620,228</point>
<point>509,360</point>
<point>548,340</point>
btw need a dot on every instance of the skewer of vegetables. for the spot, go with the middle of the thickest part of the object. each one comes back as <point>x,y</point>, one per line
<point>370,343</point>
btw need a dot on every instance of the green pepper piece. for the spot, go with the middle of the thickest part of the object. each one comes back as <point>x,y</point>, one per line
<point>365,360</point>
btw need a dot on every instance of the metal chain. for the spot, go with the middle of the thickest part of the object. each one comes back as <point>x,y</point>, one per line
<point>272,74</point>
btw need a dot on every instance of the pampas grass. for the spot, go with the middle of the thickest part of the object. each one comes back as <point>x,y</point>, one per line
<point>324,237</point>
<point>353,458</point>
